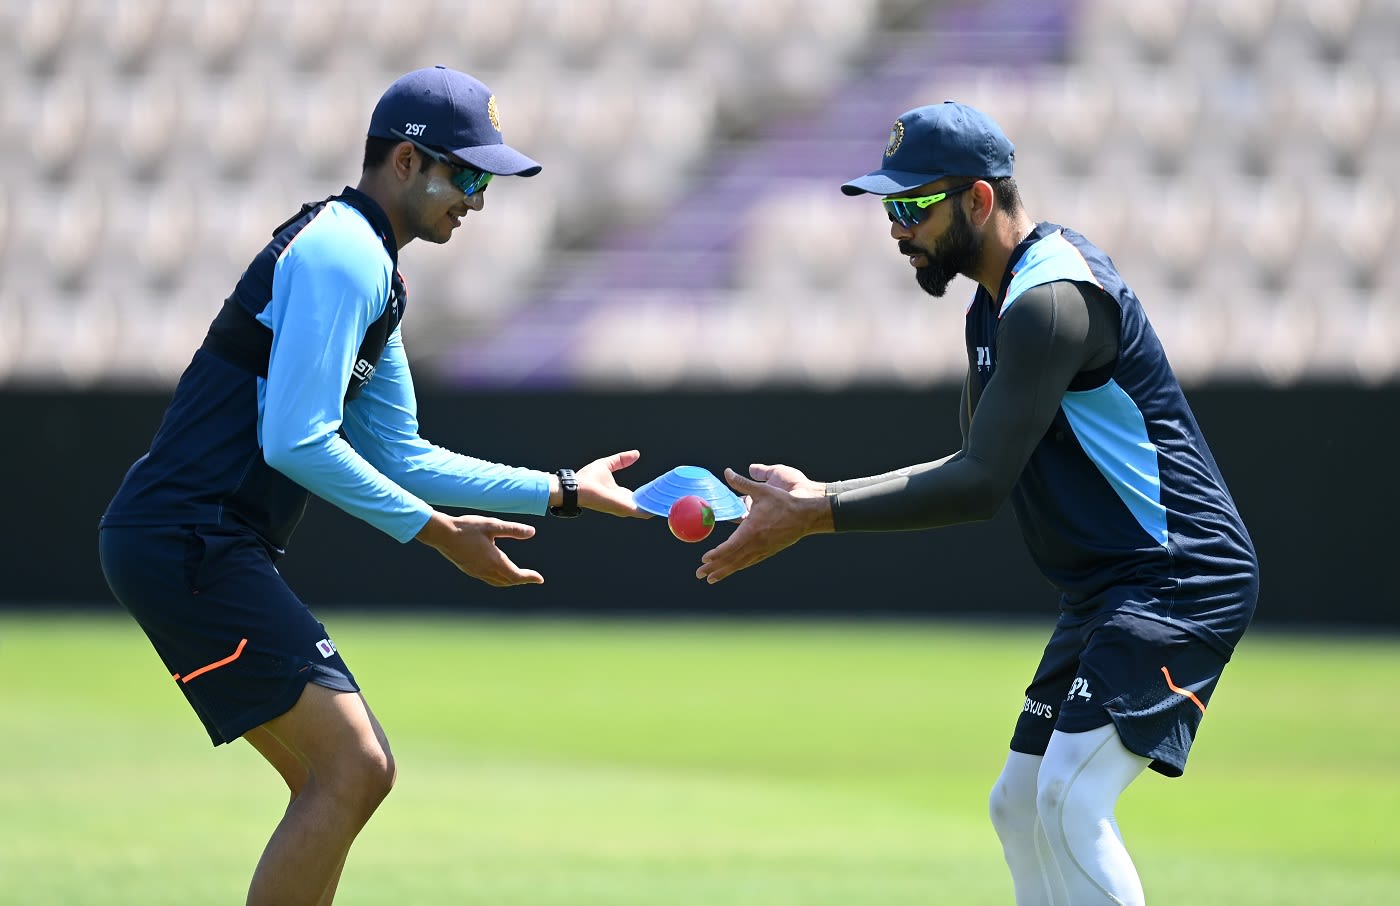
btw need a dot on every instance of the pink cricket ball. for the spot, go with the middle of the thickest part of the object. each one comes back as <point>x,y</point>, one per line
<point>691,518</point>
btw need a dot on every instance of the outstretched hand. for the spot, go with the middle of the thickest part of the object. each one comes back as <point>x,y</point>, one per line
<point>598,488</point>
<point>784,507</point>
<point>787,478</point>
<point>469,542</point>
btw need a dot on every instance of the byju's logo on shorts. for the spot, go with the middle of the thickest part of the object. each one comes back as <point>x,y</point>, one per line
<point>1039,709</point>
<point>326,647</point>
<point>1081,689</point>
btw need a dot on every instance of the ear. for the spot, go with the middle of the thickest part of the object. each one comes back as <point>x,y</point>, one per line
<point>983,201</point>
<point>401,160</point>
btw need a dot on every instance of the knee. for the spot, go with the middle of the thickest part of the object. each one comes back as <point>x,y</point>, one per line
<point>363,778</point>
<point>1051,794</point>
<point>1063,802</point>
<point>379,773</point>
<point>1011,813</point>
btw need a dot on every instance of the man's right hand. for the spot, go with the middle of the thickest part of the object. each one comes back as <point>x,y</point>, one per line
<point>784,508</point>
<point>469,542</point>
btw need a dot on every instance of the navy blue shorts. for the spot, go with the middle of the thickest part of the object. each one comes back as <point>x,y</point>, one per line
<point>236,640</point>
<point>1151,680</point>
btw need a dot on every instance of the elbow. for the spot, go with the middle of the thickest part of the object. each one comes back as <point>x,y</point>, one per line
<point>285,454</point>
<point>281,457</point>
<point>982,510</point>
<point>984,500</point>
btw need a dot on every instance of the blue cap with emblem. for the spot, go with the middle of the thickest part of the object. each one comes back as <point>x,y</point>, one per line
<point>929,143</point>
<point>450,111</point>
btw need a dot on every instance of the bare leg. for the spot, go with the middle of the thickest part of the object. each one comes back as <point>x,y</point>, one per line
<point>295,774</point>
<point>346,770</point>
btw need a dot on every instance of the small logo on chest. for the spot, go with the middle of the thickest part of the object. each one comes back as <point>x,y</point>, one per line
<point>984,358</point>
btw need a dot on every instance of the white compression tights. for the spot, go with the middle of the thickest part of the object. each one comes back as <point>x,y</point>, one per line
<point>1054,815</point>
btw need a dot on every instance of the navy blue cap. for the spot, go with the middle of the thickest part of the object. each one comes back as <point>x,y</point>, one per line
<point>929,143</point>
<point>449,110</point>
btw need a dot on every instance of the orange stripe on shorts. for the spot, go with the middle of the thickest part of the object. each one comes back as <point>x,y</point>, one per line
<point>1180,691</point>
<point>228,660</point>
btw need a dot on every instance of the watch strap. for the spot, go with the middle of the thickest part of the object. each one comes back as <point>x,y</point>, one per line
<point>568,506</point>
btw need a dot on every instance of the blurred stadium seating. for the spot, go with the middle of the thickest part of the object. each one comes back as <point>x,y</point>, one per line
<point>1240,160</point>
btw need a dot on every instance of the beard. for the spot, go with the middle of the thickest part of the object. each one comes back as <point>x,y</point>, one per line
<point>955,252</point>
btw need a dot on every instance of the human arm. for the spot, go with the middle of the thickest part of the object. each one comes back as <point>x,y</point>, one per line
<point>1049,335</point>
<point>302,406</point>
<point>383,425</point>
<point>328,287</point>
<point>791,479</point>
<point>1045,338</point>
<point>967,401</point>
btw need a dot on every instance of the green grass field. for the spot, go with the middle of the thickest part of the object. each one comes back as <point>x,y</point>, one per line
<point>684,764</point>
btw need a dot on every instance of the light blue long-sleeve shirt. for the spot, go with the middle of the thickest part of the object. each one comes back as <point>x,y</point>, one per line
<point>209,462</point>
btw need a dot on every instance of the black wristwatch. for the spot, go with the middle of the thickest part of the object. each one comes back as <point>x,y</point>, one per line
<point>569,508</point>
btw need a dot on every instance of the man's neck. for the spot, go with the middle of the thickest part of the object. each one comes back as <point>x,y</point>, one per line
<point>1007,232</point>
<point>375,189</point>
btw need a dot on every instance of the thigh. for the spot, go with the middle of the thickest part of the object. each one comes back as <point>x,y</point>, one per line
<point>1058,667</point>
<point>293,770</point>
<point>326,725</point>
<point>1153,680</point>
<point>1097,755</point>
<point>237,641</point>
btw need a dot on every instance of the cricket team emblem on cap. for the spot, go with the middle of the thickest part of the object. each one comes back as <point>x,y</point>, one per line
<point>493,114</point>
<point>896,138</point>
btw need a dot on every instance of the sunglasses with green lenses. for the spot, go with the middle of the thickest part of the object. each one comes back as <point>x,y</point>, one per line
<point>910,212</point>
<point>469,179</point>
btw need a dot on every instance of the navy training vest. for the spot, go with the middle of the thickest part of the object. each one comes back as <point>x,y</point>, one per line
<point>1121,504</point>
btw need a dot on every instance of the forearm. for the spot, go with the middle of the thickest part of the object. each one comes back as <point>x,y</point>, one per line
<point>331,470</point>
<point>965,407</point>
<point>383,426</point>
<point>445,478</point>
<point>850,484</point>
<point>949,492</point>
